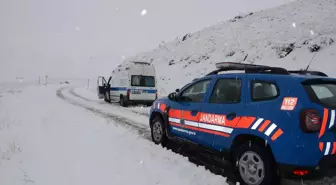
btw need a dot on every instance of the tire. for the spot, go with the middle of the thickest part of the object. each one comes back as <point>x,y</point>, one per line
<point>247,167</point>
<point>149,104</point>
<point>122,102</point>
<point>158,131</point>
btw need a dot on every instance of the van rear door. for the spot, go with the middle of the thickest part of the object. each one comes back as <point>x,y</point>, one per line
<point>143,88</point>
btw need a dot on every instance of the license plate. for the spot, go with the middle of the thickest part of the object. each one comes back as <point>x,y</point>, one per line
<point>136,92</point>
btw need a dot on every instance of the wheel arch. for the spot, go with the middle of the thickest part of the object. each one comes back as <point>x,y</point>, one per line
<point>154,115</point>
<point>243,138</point>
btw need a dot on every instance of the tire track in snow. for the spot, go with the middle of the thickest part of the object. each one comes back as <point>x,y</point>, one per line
<point>72,92</point>
<point>196,157</point>
<point>120,121</point>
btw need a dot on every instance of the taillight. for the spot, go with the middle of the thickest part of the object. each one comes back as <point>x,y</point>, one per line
<point>310,121</point>
<point>300,172</point>
<point>128,93</point>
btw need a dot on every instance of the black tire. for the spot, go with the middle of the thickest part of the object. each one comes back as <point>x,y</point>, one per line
<point>155,125</point>
<point>243,152</point>
<point>123,102</point>
<point>149,104</point>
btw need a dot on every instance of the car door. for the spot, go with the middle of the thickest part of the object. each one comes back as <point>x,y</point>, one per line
<point>184,112</point>
<point>221,111</point>
<point>101,83</point>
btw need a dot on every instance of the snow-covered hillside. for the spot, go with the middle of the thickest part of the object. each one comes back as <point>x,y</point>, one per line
<point>287,36</point>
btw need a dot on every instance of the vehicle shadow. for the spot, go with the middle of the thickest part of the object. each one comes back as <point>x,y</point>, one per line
<point>203,158</point>
<point>224,168</point>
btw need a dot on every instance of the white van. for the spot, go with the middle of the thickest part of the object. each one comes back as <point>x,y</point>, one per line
<point>131,83</point>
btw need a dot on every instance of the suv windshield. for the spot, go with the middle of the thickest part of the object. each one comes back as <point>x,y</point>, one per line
<point>322,92</point>
<point>143,81</point>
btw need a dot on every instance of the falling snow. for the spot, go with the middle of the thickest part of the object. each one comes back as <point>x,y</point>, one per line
<point>143,12</point>
<point>311,32</point>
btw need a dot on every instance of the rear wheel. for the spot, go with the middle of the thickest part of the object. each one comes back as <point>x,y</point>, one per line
<point>149,104</point>
<point>158,131</point>
<point>122,102</point>
<point>255,165</point>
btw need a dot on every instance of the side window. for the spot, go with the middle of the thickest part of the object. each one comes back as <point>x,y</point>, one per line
<point>262,90</point>
<point>226,91</point>
<point>135,80</point>
<point>195,93</point>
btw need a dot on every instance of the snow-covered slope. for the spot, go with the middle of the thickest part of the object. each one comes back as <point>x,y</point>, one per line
<point>283,36</point>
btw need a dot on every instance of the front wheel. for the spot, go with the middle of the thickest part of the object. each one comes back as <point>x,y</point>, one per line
<point>158,131</point>
<point>255,165</point>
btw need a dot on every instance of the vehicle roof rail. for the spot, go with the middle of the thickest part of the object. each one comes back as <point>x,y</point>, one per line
<point>304,72</point>
<point>236,64</point>
<point>248,68</point>
<point>194,79</point>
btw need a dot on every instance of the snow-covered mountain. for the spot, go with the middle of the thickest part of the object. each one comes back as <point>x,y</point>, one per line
<point>288,36</point>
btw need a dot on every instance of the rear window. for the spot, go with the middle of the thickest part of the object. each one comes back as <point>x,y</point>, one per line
<point>142,81</point>
<point>322,92</point>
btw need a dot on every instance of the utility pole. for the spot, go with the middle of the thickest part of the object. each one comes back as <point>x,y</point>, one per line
<point>46,79</point>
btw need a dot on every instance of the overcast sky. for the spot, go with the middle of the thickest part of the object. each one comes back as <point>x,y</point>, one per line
<point>80,37</point>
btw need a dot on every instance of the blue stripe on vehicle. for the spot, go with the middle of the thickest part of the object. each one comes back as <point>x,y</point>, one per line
<point>149,91</point>
<point>118,88</point>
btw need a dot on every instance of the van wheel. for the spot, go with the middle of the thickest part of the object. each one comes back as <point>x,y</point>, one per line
<point>254,165</point>
<point>122,102</point>
<point>158,131</point>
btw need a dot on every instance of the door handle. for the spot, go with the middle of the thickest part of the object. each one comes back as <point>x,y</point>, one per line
<point>194,112</point>
<point>231,116</point>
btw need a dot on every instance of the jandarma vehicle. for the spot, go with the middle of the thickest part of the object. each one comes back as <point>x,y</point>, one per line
<point>269,121</point>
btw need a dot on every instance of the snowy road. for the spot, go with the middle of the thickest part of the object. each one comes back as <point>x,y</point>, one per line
<point>74,138</point>
<point>51,142</point>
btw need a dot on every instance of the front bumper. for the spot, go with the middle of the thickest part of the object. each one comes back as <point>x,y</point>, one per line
<point>326,168</point>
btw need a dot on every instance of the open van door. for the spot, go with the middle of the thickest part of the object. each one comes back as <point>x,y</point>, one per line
<point>101,84</point>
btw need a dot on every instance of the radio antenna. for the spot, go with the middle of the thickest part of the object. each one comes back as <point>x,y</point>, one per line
<point>310,61</point>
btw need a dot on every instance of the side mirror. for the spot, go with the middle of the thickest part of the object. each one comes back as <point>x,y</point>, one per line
<point>177,90</point>
<point>172,96</point>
